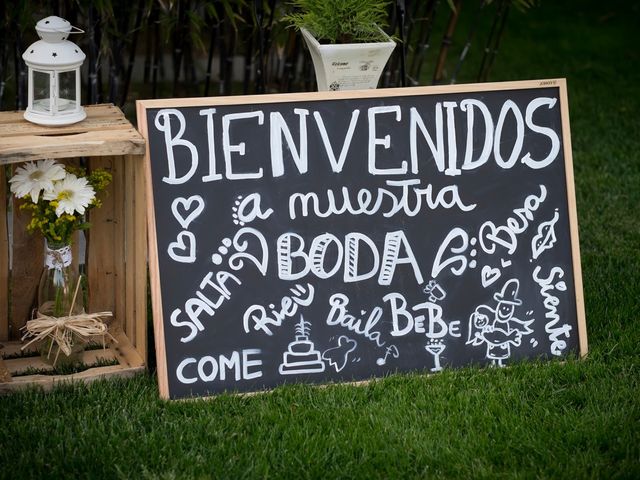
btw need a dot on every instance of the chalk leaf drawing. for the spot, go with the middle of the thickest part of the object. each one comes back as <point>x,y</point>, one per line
<point>301,355</point>
<point>186,210</point>
<point>489,275</point>
<point>338,356</point>
<point>183,250</point>
<point>545,238</point>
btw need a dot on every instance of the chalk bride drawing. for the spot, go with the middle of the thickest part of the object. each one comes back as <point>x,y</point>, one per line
<point>498,328</point>
<point>301,355</point>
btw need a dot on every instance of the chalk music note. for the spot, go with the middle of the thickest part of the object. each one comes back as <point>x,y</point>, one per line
<point>391,350</point>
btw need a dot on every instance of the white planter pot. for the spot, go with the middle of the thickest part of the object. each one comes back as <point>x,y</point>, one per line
<point>348,66</point>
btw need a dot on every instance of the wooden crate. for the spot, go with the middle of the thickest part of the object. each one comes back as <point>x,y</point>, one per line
<point>116,249</point>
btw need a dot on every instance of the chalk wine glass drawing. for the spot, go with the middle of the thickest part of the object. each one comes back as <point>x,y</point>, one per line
<point>348,47</point>
<point>58,198</point>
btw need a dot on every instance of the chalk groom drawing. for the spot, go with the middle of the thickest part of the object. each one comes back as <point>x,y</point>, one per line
<point>498,328</point>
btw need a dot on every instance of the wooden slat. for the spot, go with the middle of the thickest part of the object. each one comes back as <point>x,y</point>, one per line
<point>48,382</point>
<point>5,375</point>
<point>135,283</point>
<point>100,245</point>
<point>20,365</point>
<point>125,351</point>
<point>4,260</point>
<point>573,219</point>
<point>118,249</point>
<point>130,240</point>
<point>99,117</point>
<point>109,142</point>
<point>140,261</point>
<point>14,347</point>
<point>28,260</point>
<point>154,276</point>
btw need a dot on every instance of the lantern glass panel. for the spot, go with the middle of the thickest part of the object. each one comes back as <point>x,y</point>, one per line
<point>67,91</point>
<point>41,92</point>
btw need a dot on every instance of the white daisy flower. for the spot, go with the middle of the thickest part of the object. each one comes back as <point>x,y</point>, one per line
<point>33,178</point>
<point>73,195</point>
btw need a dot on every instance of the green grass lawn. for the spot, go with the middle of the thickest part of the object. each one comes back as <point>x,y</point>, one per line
<point>579,419</point>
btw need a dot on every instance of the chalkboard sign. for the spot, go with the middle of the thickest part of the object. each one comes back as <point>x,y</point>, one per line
<point>334,237</point>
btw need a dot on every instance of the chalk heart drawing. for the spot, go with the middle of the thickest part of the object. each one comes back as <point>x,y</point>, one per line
<point>489,275</point>
<point>183,250</point>
<point>186,210</point>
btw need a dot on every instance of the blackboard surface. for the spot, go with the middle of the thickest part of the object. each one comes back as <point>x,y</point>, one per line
<point>329,237</point>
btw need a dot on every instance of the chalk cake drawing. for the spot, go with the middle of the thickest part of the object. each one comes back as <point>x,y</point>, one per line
<point>545,239</point>
<point>301,355</point>
<point>338,356</point>
<point>497,327</point>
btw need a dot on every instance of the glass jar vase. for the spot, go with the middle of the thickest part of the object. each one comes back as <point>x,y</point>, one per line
<point>60,295</point>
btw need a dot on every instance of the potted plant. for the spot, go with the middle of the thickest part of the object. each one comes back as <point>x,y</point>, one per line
<point>348,47</point>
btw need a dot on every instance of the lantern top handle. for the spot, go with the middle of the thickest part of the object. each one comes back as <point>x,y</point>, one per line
<point>74,29</point>
<point>55,29</point>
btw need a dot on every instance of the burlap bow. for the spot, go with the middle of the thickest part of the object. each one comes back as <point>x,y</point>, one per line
<point>61,330</point>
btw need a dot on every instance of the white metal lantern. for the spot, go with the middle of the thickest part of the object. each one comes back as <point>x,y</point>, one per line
<point>54,74</point>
